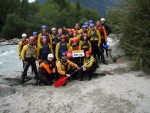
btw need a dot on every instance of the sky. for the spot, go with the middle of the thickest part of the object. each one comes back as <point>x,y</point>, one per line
<point>31,0</point>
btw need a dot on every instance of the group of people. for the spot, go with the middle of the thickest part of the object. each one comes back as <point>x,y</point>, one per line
<point>50,50</point>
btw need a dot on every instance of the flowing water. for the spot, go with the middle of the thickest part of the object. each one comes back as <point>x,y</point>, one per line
<point>9,60</point>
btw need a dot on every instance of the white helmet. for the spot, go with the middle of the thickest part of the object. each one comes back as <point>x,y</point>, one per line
<point>24,35</point>
<point>102,19</point>
<point>50,56</point>
<point>53,29</point>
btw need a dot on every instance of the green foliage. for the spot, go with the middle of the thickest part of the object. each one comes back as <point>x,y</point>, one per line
<point>134,24</point>
<point>20,16</point>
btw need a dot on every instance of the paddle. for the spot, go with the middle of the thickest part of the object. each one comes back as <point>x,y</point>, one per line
<point>63,80</point>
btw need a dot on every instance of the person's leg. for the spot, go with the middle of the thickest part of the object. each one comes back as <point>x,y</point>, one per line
<point>33,64</point>
<point>26,66</point>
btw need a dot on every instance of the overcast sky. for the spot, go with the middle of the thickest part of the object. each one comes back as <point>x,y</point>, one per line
<point>31,0</point>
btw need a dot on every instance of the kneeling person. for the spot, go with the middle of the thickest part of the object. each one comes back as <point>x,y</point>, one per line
<point>64,66</point>
<point>90,67</point>
<point>47,70</point>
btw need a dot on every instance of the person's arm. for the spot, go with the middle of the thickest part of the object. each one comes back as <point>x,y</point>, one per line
<point>39,39</point>
<point>51,50</point>
<point>23,52</point>
<point>99,37</point>
<point>90,64</point>
<point>80,45</point>
<point>90,47</point>
<point>57,51</point>
<point>70,40</point>
<point>60,71</point>
<point>105,34</point>
<point>19,48</point>
<point>38,51</point>
<point>50,39</point>
<point>72,64</point>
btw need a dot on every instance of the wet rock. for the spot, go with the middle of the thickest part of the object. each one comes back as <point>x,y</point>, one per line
<point>6,90</point>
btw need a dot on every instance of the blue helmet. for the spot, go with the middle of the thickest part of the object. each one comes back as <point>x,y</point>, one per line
<point>92,25</point>
<point>43,36</point>
<point>105,46</point>
<point>43,27</point>
<point>84,26</point>
<point>86,23</point>
<point>34,33</point>
<point>91,21</point>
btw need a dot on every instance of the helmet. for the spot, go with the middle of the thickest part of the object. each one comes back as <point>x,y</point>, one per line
<point>105,46</point>
<point>63,37</point>
<point>90,21</point>
<point>75,40</point>
<point>88,53</point>
<point>63,54</point>
<point>102,19</point>
<point>43,36</point>
<point>92,25</point>
<point>34,33</point>
<point>43,27</point>
<point>53,29</point>
<point>50,56</point>
<point>24,35</point>
<point>31,38</point>
<point>70,30</point>
<point>84,26</point>
<point>86,23</point>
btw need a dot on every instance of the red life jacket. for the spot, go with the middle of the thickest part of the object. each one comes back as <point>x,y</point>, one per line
<point>24,43</point>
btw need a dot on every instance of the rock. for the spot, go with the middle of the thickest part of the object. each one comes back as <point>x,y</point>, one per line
<point>6,90</point>
<point>13,41</point>
<point>140,74</point>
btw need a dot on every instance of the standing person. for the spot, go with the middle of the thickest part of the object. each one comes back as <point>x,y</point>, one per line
<point>95,39</point>
<point>35,35</point>
<point>21,44</point>
<point>85,44</point>
<point>28,55</point>
<point>43,50</point>
<point>64,66</point>
<point>47,70</point>
<point>103,40</point>
<point>54,39</point>
<point>108,29</point>
<point>61,47</point>
<point>90,67</point>
<point>60,32</point>
<point>84,31</point>
<point>44,33</point>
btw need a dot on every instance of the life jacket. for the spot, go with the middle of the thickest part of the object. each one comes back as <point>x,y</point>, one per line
<point>75,47</point>
<point>85,45</point>
<point>47,38</point>
<point>101,31</point>
<point>54,39</point>
<point>63,48</point>
<point>30,52</point>
<point>44,51</point>
<point>24,43</point>
<point>93,36</point>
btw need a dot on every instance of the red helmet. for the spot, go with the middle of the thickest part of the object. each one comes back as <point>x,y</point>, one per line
<point>70,31</point>
<point>75,39</point>
<point>63,36</point>
<point>88,53</point>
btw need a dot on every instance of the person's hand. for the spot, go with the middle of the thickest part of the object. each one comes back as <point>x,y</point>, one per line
<point>78,68</point>
<point>25,62</point>
<point>54,71</point>
<point>40,60</point>
<point>68,75</point>
<point>20,57</point>
<point>84,69</point>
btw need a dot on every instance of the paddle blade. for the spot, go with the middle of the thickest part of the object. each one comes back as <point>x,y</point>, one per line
<point>60,82</point>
